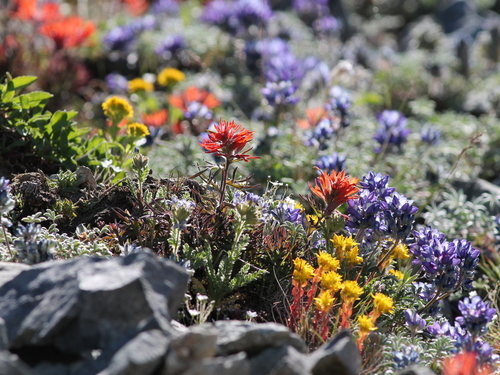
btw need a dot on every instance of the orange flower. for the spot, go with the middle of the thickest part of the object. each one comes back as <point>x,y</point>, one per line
<point>194,94</point>
<point>314,116</point>
<point>69,32</point>
<point>28,10</point>
<point>136,7</point>
<point>464,364</point>
<point>155,119</point>
<point>334,188</point>
<point>228,140</point>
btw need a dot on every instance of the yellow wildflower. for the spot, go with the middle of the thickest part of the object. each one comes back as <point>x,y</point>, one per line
<point>382,303</point>
<point>169,75</point>
<point>366,324</point>
<point>303,271</point>
<point>331,281</point>
<point>399,275</point>
<point>343,245</point>
<point>400,252</point>
<point>327,262</point>
<point>351,291</point>
<point>352,256</point>
<point>117,108</point>
<point>137,130</point>
<point>138,84</point>
<point>314,220</point>
<point>324,301</point>
<point>299,206</point>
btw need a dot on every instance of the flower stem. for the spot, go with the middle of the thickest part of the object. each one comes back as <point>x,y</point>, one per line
<point>223,182</point>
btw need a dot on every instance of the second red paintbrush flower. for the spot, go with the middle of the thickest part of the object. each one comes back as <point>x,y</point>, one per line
<point>229,140</point>
<point>334,189</point>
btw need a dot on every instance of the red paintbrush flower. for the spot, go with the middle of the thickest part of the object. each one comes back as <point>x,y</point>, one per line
<point>155,119</point>
<point>334,188</point>
<point>69,32</point>
<point>30,10</point>
<point>464,364</point>
<point>228,140</point>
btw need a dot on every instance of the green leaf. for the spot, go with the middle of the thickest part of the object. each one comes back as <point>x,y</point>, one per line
<point>19,83</point>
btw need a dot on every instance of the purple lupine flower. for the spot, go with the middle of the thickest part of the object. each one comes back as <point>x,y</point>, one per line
<point>169,46</point>
<point>399,214</point>
<point>198,110</point>
<point>468,342</point>
<point>448,266</point>
<point>414,321</point>
<point>339,104</point>
<point>377,183</point>
<point>333,162</point>
<point>364,212</point>
<point>241,197</point>
<point>221,13</point>
<point>280,93</point>
<point>321,134</point>
<point>286,211</point>
<point>236,16</point>
<point>144,23</point>
<point>392,130</point>
<point>284,67</point>
<point>476,314</point>
<point>469,259</point>
<point>430,135</point>
<point>253,12</point>
<point>367,210</point>
<point>327,25</point>
<point>121,38</point>
<point>405,357</point>
<point>310,10</point>
<point>170,7</point>
<point>116,82</point>
<point>445,329</point>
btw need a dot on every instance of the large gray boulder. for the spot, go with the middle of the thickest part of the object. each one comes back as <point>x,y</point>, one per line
<point>66,311</point>
<point>339,356</point>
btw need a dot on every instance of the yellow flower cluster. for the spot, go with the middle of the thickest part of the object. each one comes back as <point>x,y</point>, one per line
<point>303,271</point>
<point>324,301</point>
<point>398,274</point>
<point>117,108</point>
<point>170,75</point>
<point>327,262</point>
<point>331,281</point>
<point>346,247</point>
<point>366,324</point>
<point>400,252</point>
<point>137,130</point>
<point>351,291</point>
<point>138,84</point>
<point>382,303</point>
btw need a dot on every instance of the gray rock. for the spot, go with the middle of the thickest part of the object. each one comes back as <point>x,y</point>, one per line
<point>141,355</point>
<point>10,364</point>
<point>9,270</point>
<point>340,356</point>
<point>196,344</point>
<point>231,365</point>
<point>252,338</point>
<point>4,341</point>
<point>73,307</point>
<point>283,360</point>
